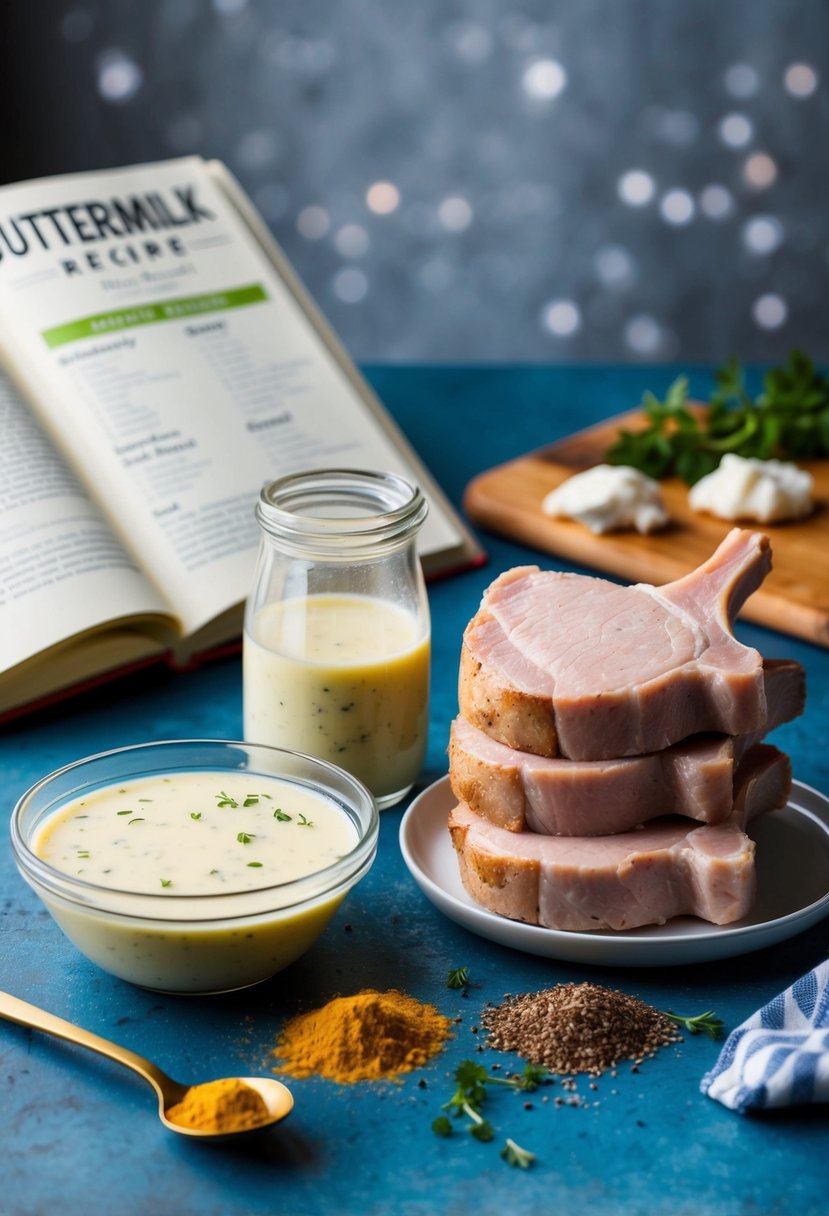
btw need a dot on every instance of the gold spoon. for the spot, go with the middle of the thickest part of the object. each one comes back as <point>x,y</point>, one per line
<point>276,1096</point>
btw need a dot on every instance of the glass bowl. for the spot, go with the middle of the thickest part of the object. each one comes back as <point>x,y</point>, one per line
<point>194,943</point>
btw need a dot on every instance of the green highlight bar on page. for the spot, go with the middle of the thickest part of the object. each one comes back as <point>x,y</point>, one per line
<point>151,314</point>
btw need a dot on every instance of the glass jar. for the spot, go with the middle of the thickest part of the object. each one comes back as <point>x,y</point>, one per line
<point>337,635</point>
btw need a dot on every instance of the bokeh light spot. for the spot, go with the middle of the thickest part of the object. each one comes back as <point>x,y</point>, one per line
<point>716,201</point>
<point>760,171</point>
<point>350,285</point>
<point>352,241</point>
<point>770,311</point>
<point>736,130</point>
<point>800,80</point>
<point>118,77</point>
<point>544,79</point>
<point>313,222</point>
<point>636,187</point>
<point>742,81</point>
<point>455,213</point>
<point>382,198</point>
<point>677,207</point>
<point>762,234</point>
<point>561,318</point>
<point>643,335</point>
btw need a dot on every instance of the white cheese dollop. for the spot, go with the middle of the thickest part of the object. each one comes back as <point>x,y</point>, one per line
<point>767,491</point>
<point>609,498</point>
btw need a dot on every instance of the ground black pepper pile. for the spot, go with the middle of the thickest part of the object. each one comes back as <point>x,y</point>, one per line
<point>575,1028</point>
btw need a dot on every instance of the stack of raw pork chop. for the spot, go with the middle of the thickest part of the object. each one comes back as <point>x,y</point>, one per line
<point>608,753</point>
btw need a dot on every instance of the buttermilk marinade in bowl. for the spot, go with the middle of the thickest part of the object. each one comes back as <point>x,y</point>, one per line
<point>194,866</point>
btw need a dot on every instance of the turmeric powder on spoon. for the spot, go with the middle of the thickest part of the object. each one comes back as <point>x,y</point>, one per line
<point>228,1105</point>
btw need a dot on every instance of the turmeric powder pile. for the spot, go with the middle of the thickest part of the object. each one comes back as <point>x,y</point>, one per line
<point>228,1105</point>
<point>366,1037</point>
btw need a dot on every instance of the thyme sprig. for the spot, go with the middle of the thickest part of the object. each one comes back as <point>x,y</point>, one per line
<point>707,1023</point>
<point>458,978</point>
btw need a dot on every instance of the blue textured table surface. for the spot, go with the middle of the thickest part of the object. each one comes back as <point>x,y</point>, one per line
<point>80,1136</point>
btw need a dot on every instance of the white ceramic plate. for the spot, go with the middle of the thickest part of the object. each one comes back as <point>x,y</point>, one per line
<point>792,882</point>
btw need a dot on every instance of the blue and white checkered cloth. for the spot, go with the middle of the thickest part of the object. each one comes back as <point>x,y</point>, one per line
<point>780,1055</point>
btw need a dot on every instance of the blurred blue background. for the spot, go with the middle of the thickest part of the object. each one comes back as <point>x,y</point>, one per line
<point>579,180</point>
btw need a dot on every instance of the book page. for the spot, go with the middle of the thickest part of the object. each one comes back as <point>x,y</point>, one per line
<point>172,362</point>
<point>62,571</point>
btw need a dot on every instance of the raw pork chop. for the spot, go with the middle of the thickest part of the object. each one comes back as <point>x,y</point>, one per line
<point>669,868</point>
<point>564,664</point>
<point>517,790</point>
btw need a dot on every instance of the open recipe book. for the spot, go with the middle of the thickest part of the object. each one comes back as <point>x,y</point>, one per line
<point>162,362</point>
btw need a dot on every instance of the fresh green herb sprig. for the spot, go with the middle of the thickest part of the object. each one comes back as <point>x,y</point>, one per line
<point>515,1155</point>
<point>479,1127</point>
<point>788,420</point>
<point>458,978</point>
<point>707,1023</point>
<point>471,1080</point>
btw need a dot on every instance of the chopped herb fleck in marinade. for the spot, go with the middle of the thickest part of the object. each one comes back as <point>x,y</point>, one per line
<point>183,839</point>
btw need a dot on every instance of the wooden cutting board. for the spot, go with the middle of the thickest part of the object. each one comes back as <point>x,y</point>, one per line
<point>794,598</point>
